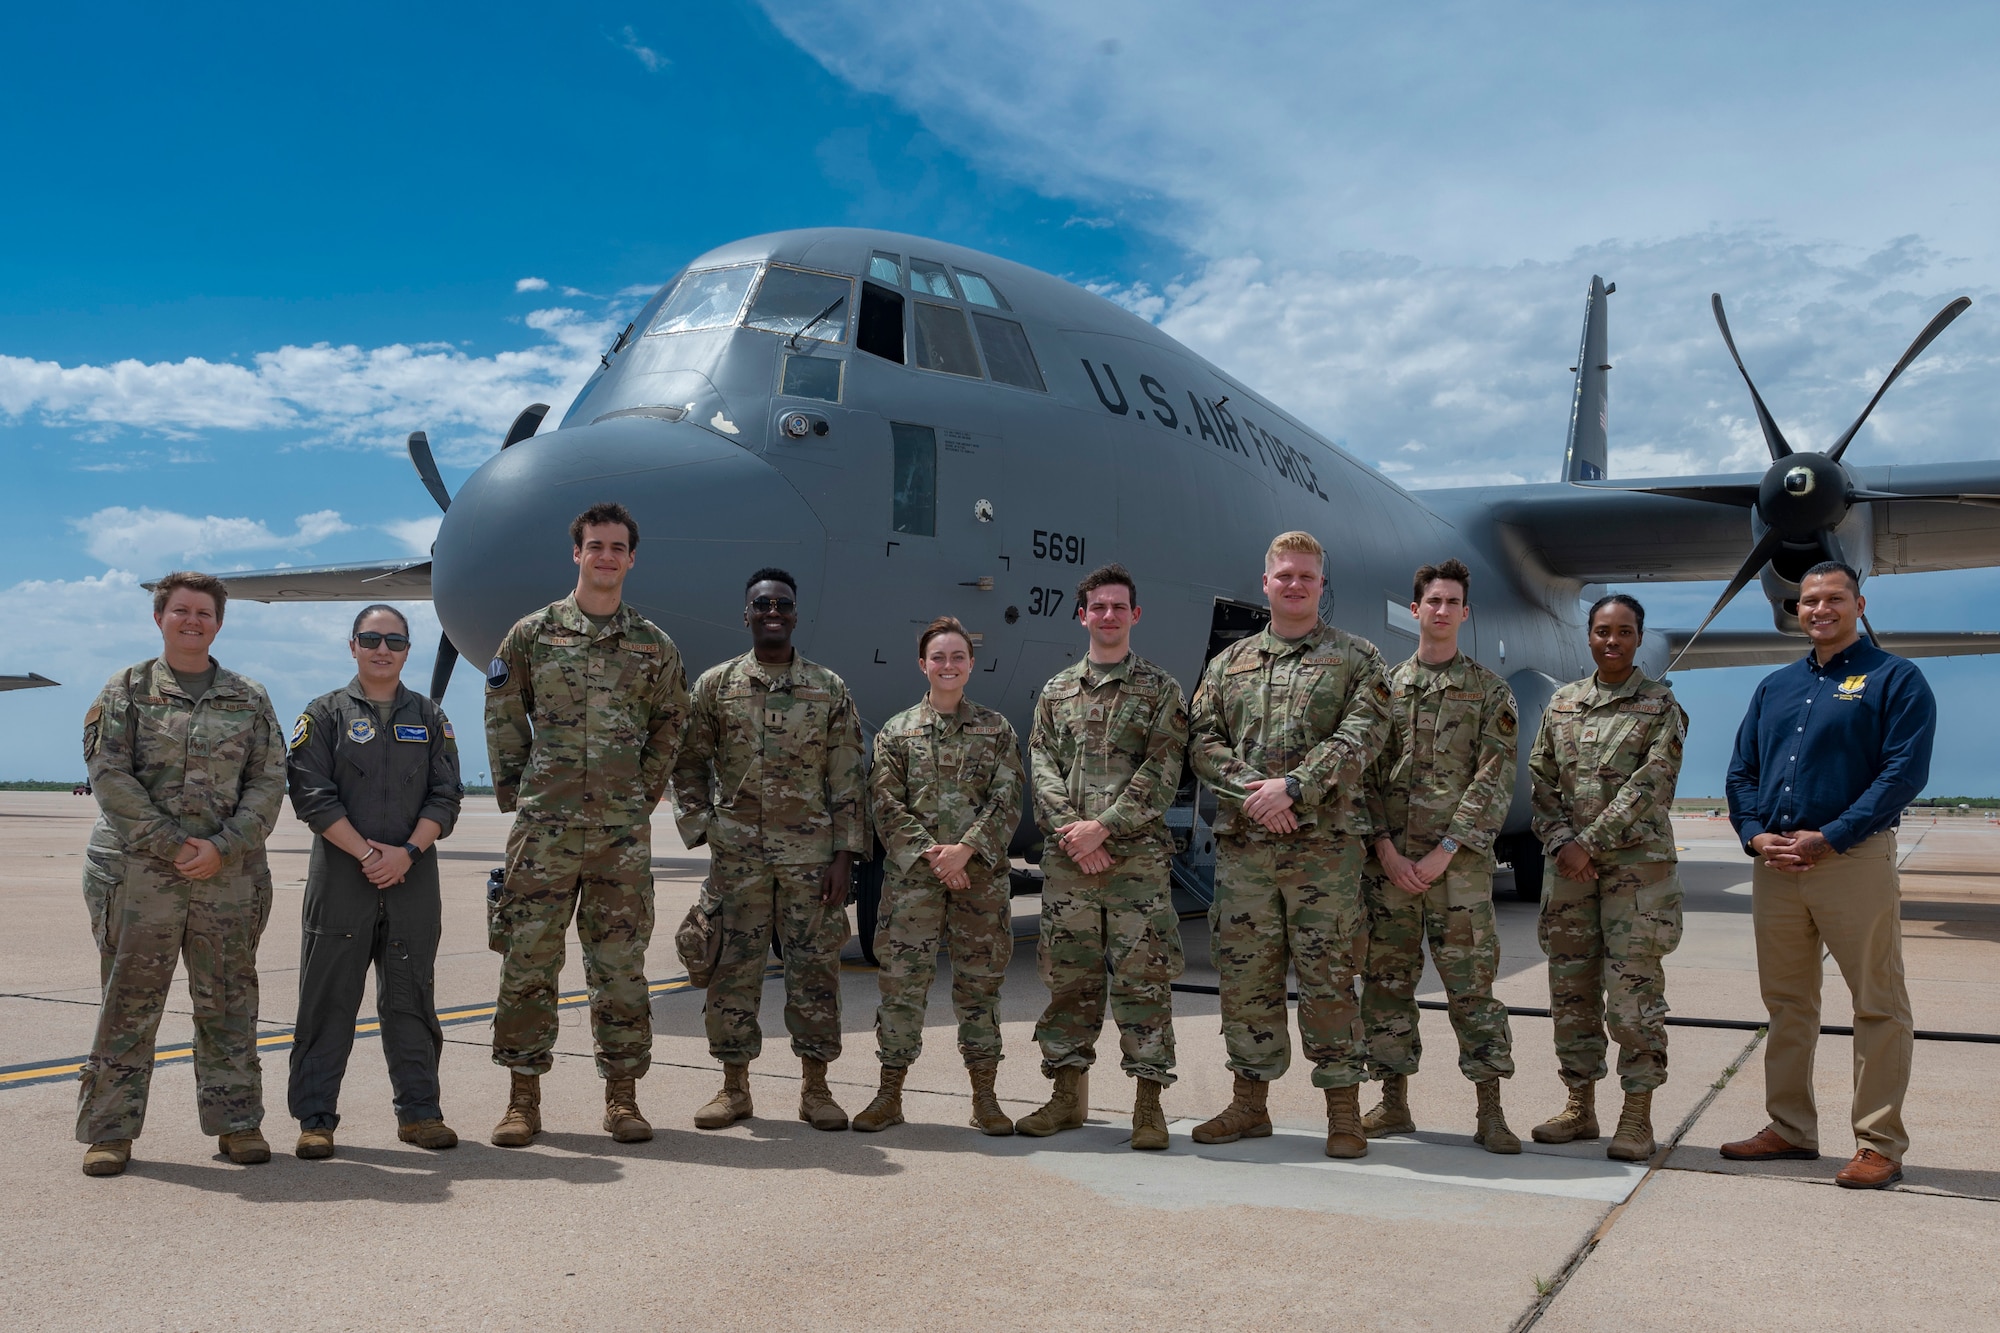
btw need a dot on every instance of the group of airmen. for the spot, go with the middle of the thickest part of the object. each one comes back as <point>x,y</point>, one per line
<point>1357,808</point>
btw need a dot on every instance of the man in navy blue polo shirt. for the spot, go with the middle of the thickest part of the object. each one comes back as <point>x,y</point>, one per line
<point>1831,750</point>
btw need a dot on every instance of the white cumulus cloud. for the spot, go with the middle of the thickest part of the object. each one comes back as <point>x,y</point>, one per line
<point>645,55</point>
<point>149,538</point>
<point>415,534</point>
<point>531,285</point>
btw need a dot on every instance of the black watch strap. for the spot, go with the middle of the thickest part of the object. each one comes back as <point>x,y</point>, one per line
<point>1292,787</point>
<point>414,850</point>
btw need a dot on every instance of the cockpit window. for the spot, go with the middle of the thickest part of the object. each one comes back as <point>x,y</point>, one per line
<point>943,341</point>
<point>810,305</point>
<point>706,300</point>
<point>886,268</point>
<point>1008,355</point>
<point>927,275</point>
<point>980,292</point>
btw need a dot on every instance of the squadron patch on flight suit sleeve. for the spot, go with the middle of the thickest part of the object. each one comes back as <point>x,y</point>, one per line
<point>301,730</point>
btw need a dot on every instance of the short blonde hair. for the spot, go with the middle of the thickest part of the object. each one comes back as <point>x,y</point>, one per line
<point>1288,543</point>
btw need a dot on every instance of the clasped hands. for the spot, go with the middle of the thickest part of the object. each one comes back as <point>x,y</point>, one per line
<point>1793,853</point>
<point>1411,877</point>
<point>948,861</point>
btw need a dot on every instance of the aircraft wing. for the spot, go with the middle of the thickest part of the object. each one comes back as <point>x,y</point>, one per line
<point>1764,647</point>
<point>370,582</point>
<point>31,681</point>
<point>1699,527</point>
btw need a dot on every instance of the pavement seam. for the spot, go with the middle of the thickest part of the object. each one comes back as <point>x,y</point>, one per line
<point>1583,1251</point>
<point>1927,1191</point>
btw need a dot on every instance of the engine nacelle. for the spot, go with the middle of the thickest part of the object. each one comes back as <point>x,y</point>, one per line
<point>1855,540</point>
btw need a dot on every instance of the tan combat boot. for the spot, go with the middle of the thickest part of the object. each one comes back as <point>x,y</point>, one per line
<point>987,1117</point>
<point>1149,1122</point>
<point>245,1147</point>
<point>1577,1119</point>
<point>107,1158</point>
<point>1067,1105</point>
<point>1344,1137</point>
<point>816,1104</point>
<point>1246,1116</point>
<point>314,1145</point>
<point>1493,1134</point>
<point>1392,1114</point>
<point>731,1104</point>
<point>887,1108</point>
<point>434,1134</point>
<point>517,1128</point>
<point>622,1119</point>
<point>1634,1140</point>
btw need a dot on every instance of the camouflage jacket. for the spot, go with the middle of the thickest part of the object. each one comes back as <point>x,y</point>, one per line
<point>945,778</point>
<point>1604,766</point>
<point>345,763</point>
<point>1108,744</point>
<point>582,723</point>
<point>1315,708</point>
<point>166,768</point>
<point>1447,767</point>
<point>771,764</point>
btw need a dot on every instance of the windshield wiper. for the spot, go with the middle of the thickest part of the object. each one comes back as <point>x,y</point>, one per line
<point>793,341</point>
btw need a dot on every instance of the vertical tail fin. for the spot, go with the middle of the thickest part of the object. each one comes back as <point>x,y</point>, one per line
<point>1586,457</point>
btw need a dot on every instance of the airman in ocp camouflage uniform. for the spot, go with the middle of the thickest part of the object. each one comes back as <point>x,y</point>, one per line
<point>1438,792</point>
<point>583,716</point>
<point>1304,716</point>
<point>770,778</point>
<point>1105,755</point>
<point>174,766</point>
<point>1604,766</point>
<point>943,781</point>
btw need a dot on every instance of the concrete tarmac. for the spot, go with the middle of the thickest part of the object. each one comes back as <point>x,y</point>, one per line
<point>931,1224</point>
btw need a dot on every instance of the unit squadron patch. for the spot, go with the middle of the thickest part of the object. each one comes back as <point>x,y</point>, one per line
<point>361,730</point>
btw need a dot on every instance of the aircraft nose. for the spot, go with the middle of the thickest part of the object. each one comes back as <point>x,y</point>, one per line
<point>709,513</point>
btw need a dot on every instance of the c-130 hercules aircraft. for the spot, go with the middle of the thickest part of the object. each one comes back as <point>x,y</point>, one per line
<point>917,429</point>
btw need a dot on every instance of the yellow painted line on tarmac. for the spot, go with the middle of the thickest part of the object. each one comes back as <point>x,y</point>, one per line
<point>19,1075</point>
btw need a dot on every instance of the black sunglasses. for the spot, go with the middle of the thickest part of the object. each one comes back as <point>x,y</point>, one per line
<point>764,605</point>
<point>398,643</point>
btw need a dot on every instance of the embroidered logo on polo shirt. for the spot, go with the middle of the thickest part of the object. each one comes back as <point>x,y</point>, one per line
<point>1850,688</point>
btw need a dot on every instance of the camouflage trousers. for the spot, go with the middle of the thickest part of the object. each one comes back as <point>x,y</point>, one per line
<point>757,900</point>
<point>603,876</point>
<point>1122,919</point>
<point>1290,902</point>
<point>1456,917</point>
<point>1605,939</point>
<point>975,926</point>
<point>145,917</point>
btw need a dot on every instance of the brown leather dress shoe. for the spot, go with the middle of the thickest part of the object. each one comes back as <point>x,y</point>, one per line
<point>1767,1145</point>
<point>1869,1170</point>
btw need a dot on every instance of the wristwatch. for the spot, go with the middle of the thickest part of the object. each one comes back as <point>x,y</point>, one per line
<point>1292,787</point>
<point>414,850</point>
<point>1450,844</point>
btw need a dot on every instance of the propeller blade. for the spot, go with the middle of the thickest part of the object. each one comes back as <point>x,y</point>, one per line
<point>1766,547</point>
<point>1945,497</point>
<point>1774,439</point>
<point>525,425</point>
<point>1742,495</point>
<point>1931,330</point>
<point>447,658</point>
<point>427,469</point>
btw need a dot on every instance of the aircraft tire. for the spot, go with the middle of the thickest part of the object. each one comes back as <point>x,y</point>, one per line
<point>1524,854</point>
<point>867,896</point>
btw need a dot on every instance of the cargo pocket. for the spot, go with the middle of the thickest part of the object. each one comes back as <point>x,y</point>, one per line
<point>102,874</point>
<point>1656,915</point>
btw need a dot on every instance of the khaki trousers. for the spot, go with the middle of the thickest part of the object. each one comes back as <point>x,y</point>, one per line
<point>1852,905</point>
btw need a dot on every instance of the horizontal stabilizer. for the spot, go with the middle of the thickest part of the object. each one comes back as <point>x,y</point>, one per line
<point>1763,647</point>
<point>370,582</point>
<point>32,681</point>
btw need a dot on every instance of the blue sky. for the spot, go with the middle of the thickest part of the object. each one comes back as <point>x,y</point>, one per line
<point>246,251</point>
